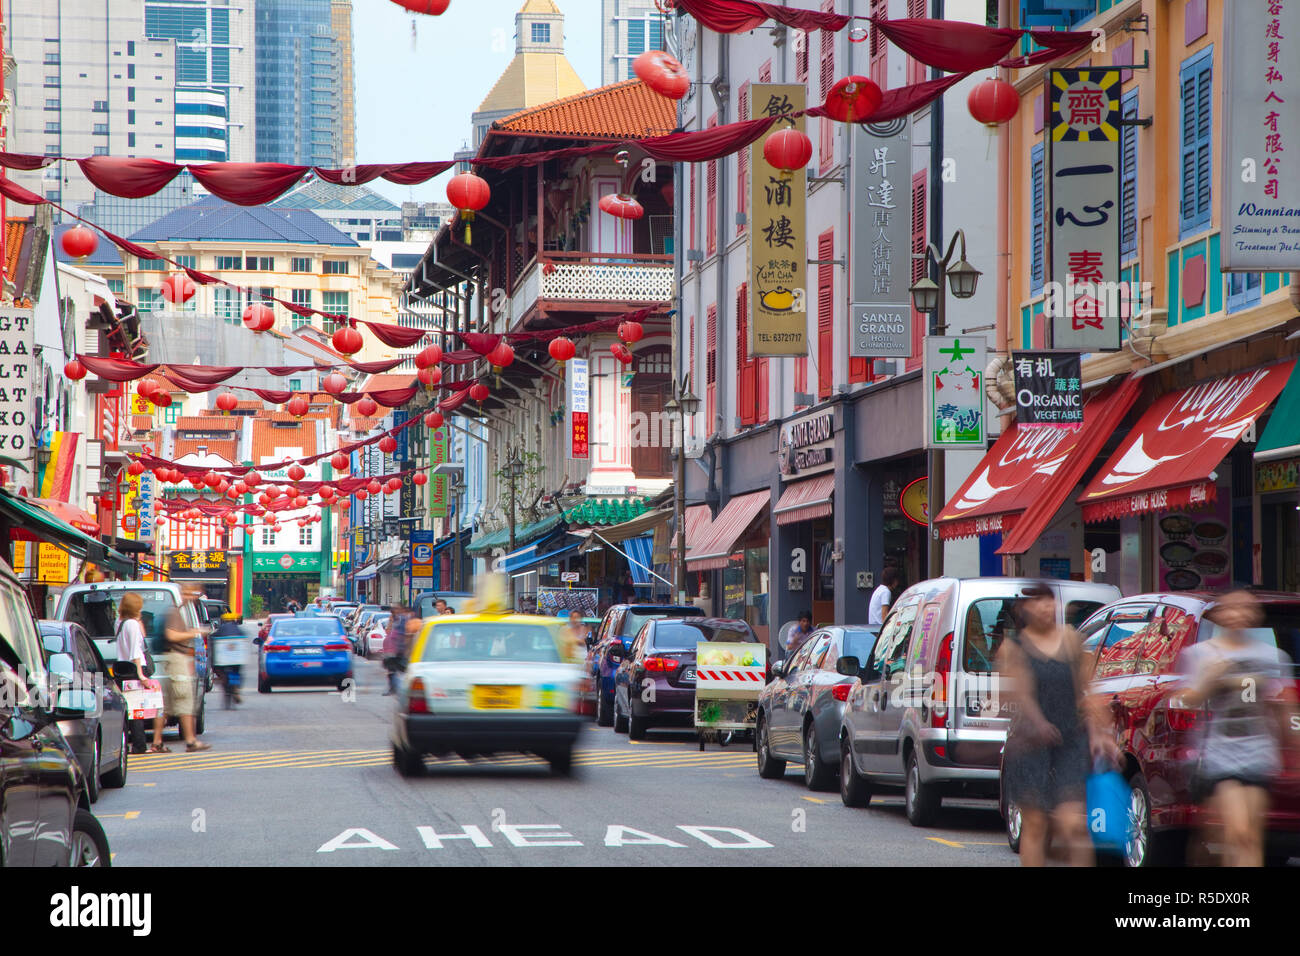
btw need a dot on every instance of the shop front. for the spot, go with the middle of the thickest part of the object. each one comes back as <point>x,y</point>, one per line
<point>209,570</point>
<point>1277,488</point>
<point>803,512</point>
<point>279,578</point>
<point>736,544</point>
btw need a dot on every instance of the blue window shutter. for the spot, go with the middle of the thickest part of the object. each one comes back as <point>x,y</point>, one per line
<point>1196,86</point>
<point>635,37</point>
<point>1036,264</point>
<point>1128,177</point>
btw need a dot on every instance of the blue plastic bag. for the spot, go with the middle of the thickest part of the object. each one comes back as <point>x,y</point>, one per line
<point>1108,808</point>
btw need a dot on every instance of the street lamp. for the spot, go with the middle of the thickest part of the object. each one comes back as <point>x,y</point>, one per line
<point>513,473</point>
<point>683,403</point>
<point>928,298</point>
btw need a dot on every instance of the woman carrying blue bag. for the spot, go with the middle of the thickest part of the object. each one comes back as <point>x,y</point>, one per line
<point>1055,733</point>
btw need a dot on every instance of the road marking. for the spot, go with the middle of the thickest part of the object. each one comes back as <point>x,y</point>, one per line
<point>960,846</point>
<point>813,799</point>
<point>129,815</point>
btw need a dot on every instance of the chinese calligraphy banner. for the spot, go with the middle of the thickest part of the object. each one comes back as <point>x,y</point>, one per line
<point>954,391</point>
<point>1048,389</point>
<point>778,240</point>
<point>881,320</point>
<point>1261,209</point>
<point>579,408</point>
<point>1085,299</point>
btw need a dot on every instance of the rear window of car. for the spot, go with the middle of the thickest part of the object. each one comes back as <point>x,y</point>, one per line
<point>858,644</point>
<point>683,635</point>
<point>307,627</point>
<point>989,622</point>
<point>490,641</point>
<point>634,620</point>
<point>1076,612</point>
<point>96,610</point>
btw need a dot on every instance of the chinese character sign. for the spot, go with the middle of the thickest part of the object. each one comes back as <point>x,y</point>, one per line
<point>881,316</point>
<point>579,407</point>
<point>778,238</point>
<point>954,391</point>
<point>1048,390</point>
<point>1261,189</point>
<point>1084,300</point>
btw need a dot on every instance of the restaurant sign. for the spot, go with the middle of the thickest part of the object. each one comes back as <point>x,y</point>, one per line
<point>881,314</point>
<point>807,445</point>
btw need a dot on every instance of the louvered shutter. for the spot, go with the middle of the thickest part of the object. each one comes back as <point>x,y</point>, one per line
<point>711,369</point>
<point>1128,177</point>
<point>742,160</point>
<point>744,367</point>
<point>711,201</point>
<point>915,68</point>
<point>825,315</point>
<point>1195,191</point>
<point>1036,221</point>
<point>826,151</point>
<point>919,319</point>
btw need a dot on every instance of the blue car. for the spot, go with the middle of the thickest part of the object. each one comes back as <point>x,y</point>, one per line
<point>619,627</point>
<point>304,650</point>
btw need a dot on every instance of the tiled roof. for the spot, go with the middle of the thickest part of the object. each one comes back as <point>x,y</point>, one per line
<point>319,194</point>
<point>618,111</point>
<point>213,219</point>
<point>524,534</point>
<point>603,511</point>
<point>267,437</point>
<point>227,449</point>
<point>14,230</point>
<point>530,80</point>
<point>141,423</point>
<point>208,422</point>
<point>388,380</point>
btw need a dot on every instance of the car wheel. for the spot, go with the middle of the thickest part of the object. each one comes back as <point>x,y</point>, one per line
<point>263,685</point>
<point>604,708</point>
<point>817,773</point>
<point>92,773</point>
<point>408,763</point>
<point>561,761</point>
<point>921,799</point>
<point>769,768</point>
<point>117,776</point>
<point>620,721</point>
<point>855,791</point>
<point>636,727</point>
<point>89,844</point>
<point>1014,823</point>
<point>1144,847</point>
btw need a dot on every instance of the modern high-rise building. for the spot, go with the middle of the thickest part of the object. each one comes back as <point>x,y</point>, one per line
<point>215,58</point>
<point>628,29</point>
<point>302,64</point>
<point>341,16</point>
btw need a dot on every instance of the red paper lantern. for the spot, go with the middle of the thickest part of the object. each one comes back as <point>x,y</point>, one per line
<point>393,484</point>
<point>373,486</point>
<point>160,521</point>
<point>478,391</point>
<point>297,472</point>
<point>178,289</point>
<point>788,149</point>
<point>993,102</point>
<point>561,349</point>
<point>147,386</point>
<point>79,242</point>
<point>232,519</point>
<point>431,8</point>
<point>265,499</point>
<point>74,370</point>
<point>367,407</point>
<point>433,419</point>
<point>223,486</point>
<point>211,479</point>
<point>468,193</point>
<point>361,494</point>
<point>241,487</point>
<point>662,73</point>
<point>339,461</point>
<point>258,317</point>
<point>631,332</point>
<point>420,478</point>
<point>301,501</point>
<point>388,444</point>
<point>253,479</point>
<point>852,99</point>
<point>334,383</point>
<point>427,356</point>
<point>297,406</point>
<point>135,468</point>
<point>226,402</point>
<point>502,355</point>
<point>347,340</point>
<point>429,377</point>
<point>622,353</point>
<point>621,206</point>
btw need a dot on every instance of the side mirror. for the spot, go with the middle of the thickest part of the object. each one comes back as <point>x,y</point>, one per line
<point>124,670</point>
<point>778,667</point>
<point>62,667</point>
<point>259,640</point>
<point>848,666</point>
<point>76,702</point>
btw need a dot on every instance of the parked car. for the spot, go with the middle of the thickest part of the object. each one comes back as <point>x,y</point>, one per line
<point>45,817</point>
<point>1137,641</point>
<point>98,736</point>
<point>304,650</point>
<point>663,652</point>
<point>94,607</point>
<point>352,620</point>
<point>620,625</point>
<point>373,644</point>
<point>801,709</point>
<point>921,717</point>
<point>211,611</point>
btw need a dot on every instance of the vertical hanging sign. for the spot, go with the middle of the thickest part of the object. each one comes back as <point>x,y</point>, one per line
<point>437,483</point>
<point>1086,301</point>
<point>881,316</point>
<point>954,391</point>
<point>17,375</point>
<point>579,407</point>
<point>778,234</point>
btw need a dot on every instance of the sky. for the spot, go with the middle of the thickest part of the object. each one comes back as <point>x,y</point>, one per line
<point>414,95</point>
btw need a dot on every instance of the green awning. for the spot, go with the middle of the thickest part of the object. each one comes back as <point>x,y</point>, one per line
<point>1281,438</point>
<point>40,523</point>
<point>606,511</point>
<point>524,533</point>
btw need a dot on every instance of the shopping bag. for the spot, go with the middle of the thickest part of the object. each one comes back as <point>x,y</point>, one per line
<point>1108,808</point>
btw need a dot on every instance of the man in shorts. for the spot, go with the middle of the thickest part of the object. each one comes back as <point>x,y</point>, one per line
<point>180,692</point>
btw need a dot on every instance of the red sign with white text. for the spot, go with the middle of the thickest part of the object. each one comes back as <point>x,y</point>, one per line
<point>579,435</point>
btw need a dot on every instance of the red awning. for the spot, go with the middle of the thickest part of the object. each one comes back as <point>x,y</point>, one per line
<point>720,540</point>
<point>698,521</point>
<point>1166,460</point>
<point>1028,465</point>
<point>79,518</point>
<point>805,500</point>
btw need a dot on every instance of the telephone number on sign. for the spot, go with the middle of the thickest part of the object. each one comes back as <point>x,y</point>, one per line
<point>780,337</point>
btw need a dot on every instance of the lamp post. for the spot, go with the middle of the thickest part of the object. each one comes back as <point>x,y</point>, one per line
<point>928,297</point>
<point>683,403</point>
<point>513,472</point>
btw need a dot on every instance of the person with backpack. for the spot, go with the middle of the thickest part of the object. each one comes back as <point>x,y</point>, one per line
<point>131,646</point>
<point>180,690</point>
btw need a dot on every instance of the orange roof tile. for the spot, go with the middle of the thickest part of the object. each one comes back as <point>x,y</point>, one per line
<point>267,437</point>
<point>376,383</point>
<point>250,403</point>
<point>622,110</point>
<point>141,423</point>
<point>227,449</point>
<point>14,229</point>
<point>208,422</point>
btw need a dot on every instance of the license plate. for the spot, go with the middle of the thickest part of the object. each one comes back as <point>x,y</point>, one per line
<point>312,664</point>
<point>488,697</point>
<point>688,674</point>
<point>306,650</point>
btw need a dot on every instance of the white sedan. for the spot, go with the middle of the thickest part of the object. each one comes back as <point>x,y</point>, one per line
<point>481,684</point>
<point>376,634</point>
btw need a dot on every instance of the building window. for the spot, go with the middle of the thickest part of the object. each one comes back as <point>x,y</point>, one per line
<point>52,59</point>
<point>230,263</point>
<point>334,267</point>
<point>52,128</point>
<point>130,71</point>
<point>300,264</point>
<point>151,265</point>
<point>742,160</point>
<point>878,46</point>
<point>711,371</point>
<point>100,129</point>
<point>51,104</point>
<point>268,536</point>
<point>149,300</point>
<point>801,56</point>
<point>1195,78</point>
<point>170,414</point>
<point>711,201</point>
<point>101,150</point>
<point>541,32</point>
<point>334,302</point>
<point>100,106</point>
<point>1036,225</point>
<point>260,264</point>
<point>1243,290</point>
<point>52,80</point>
<point>186,262</point>
<point>826,150</point>
<point>228,304</point>
<point>915,68</point>
<point>1128,148</point>
<point>130,94</point>
<point>117,286</point>
<point>52,149</point>
<point>920,192</point>
<point>305,535</point>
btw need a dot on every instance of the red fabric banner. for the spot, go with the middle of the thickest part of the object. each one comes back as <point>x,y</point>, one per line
<point>740,16</point>
<point>404,174</point>
<point>247,184</point>
<point>398,336</point>
<point>25,161</point>
<point>130,178</point>
<point>11,190</point>
<point>273,395</point>
<point>702,145</point>
<point>116,370</point>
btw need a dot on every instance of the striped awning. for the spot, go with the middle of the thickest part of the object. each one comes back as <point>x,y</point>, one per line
<point>719,540</point>
<point>806,500</point>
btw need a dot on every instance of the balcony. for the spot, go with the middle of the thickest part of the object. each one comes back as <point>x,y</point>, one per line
<point>591,282</point>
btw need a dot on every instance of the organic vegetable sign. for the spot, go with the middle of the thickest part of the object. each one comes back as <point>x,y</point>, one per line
<point>731,671</point>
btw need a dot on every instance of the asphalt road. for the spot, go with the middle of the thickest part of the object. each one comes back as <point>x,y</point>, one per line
<point>305,777</point>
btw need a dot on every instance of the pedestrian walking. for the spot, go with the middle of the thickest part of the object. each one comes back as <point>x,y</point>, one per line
<point>395,647</point>
<point>574,634</point>
<point>1239,676</point>
<point>232,676</point>
<point>882,598</point>
<point>131,646</point>
<point>1054,731</point>
<point>179,692</point>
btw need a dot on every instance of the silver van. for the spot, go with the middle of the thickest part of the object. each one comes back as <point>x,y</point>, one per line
<point>927,714</point>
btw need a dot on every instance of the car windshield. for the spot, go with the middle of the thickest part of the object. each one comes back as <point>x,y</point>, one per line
<point>633,620</point>
<point>684,635</point>
<point>490,641</point>
<point>96,610</point>
<point>307,627</point>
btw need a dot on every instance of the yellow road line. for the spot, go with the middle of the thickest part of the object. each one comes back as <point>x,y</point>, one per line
<point>129,815</point>
<point>813,799</point>
<point>960,846</point>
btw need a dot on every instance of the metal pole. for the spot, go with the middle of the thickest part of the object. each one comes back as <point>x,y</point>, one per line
<point>510,477</point>
<point>680,507</point>
<point>934,470</point>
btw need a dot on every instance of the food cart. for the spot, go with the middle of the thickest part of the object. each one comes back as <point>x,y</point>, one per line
<point>728,679</point>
